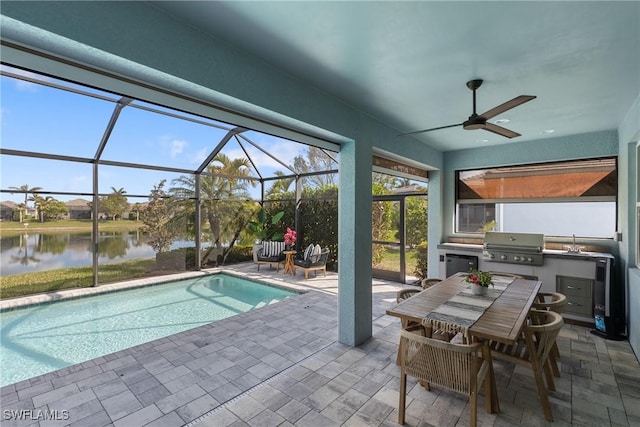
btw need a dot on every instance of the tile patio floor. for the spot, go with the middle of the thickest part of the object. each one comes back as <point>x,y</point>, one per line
<point>281,365</point>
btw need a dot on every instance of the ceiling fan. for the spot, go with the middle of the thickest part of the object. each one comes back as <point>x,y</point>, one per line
<point>479,121</point>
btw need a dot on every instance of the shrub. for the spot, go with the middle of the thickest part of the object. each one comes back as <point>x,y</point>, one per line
<point>178,259</point>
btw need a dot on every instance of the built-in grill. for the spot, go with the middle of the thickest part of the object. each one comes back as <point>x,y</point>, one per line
<point>513,248</point>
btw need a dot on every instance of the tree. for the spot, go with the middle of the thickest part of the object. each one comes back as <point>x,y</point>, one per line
<point>115,203</point>
<point>416,220</point>
<point>158,219</point>
<point>279,187</point>
<point>49,208</point>
<point>26,190</point>
<point>316,161</point>
<point>221,182</point>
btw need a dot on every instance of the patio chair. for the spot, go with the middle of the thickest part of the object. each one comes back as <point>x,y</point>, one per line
<point>313,263</point>
<point>429,281</point>
<point>462,368</point>
<point>271,253</point>
<point>553,301</point>
<point>532,350</point>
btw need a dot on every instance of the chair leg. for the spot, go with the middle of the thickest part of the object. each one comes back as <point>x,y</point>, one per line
<point>554,364</point>
<point>551,385</point>
<point>473,408</point>
<point>403,392</point>
<point>542,393</point>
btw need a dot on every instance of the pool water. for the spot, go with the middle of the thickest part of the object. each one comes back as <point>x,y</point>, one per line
<point>43,338</point>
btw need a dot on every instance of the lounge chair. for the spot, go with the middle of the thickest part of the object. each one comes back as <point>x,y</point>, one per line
<point>313,263</point>
<point>271,253</point>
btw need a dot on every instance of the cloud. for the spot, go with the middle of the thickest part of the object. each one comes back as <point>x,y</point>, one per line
<point>200,156</point>
<point>177,146</point>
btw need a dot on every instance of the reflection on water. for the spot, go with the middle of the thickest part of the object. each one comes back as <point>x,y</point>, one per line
<point>42,251</point>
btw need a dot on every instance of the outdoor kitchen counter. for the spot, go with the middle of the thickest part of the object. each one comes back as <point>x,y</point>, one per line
<point>548,253</point>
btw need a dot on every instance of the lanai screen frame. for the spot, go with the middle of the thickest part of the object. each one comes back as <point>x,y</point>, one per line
<point>233,133</point>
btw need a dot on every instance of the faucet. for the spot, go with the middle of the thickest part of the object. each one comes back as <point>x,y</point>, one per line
<point>573,249</point>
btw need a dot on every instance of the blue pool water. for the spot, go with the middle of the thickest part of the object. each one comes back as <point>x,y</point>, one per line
<point>43,338</point>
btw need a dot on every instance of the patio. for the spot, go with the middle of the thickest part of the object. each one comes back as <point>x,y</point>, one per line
<point>282,365</point>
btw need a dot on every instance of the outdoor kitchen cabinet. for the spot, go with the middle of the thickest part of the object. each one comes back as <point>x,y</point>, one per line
<point>579,293</point>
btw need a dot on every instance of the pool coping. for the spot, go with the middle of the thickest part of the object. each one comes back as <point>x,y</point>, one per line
<point>75,293</point>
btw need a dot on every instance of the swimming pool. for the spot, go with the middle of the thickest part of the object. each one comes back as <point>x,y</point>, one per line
<point>47,337</point>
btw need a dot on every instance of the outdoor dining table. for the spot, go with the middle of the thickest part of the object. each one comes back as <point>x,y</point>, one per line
<point>501,321</point>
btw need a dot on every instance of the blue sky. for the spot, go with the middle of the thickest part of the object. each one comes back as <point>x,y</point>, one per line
<point>38,118</point>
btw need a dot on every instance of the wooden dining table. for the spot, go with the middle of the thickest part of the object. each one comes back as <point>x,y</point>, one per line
<point>502,321</point>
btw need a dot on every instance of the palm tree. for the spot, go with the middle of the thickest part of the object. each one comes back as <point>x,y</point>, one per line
<point>26,190</point>
<point>222,180</point>
<point>280,186</point>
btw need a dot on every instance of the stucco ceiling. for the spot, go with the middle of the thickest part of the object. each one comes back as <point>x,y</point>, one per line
<point>406,63</point>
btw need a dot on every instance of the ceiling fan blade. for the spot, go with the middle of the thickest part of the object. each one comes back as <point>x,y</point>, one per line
<point>518,100</point>
<point>429,130</point>
<point>500,130</point>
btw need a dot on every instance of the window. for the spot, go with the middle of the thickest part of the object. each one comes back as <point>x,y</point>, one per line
<point>556,199</point>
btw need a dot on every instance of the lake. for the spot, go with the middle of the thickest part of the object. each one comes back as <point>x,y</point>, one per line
<point>43,251</point>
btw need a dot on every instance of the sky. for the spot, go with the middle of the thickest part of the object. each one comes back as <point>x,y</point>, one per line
<point>43,119</point>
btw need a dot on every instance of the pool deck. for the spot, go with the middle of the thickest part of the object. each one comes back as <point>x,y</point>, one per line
<point>281,365</point>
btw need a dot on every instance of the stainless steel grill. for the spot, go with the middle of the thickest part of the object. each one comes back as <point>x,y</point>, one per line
<point>513,248</point>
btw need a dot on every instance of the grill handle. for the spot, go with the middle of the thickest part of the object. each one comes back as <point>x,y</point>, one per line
<point>513,248</point>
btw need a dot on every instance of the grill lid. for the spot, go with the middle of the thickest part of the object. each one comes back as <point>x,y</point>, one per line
<point>517,242</point>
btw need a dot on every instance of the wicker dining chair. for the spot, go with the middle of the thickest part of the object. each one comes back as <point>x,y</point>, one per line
<point>532,350</point>
<point>462,368</point>
<point>429,281</point>
<point>402,295</point>
<point>556,302</point>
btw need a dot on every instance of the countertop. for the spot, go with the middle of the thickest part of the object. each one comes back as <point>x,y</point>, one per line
<point>551,253</point>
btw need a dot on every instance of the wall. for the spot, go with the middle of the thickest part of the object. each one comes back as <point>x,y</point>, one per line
<point>629,134</point>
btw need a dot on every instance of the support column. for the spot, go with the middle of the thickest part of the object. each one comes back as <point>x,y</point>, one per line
<point>354,241</point>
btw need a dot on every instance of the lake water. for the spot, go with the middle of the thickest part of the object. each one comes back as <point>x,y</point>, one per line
<point>42,251</point>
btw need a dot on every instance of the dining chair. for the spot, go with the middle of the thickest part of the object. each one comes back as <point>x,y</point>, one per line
<point>553,301</point>
<point>429,281</point>
<point>402,295</point>
<point>462,368</point>
<point>532,350</point>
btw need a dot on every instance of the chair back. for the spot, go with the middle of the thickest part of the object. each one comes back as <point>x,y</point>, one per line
<point>457,367</point>
<point>542,332</point>
<point>403,294</point>
<point>430,281</point>
<point>324,256</point>
<point>553,301</point>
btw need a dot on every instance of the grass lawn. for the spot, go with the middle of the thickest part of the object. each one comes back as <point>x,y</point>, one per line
<point>14,227</point>
<point>391,260</point>
<point>68,278</point>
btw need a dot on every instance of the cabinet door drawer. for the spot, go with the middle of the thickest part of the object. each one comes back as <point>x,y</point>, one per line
<point>580,306</point>
<point>579,293</point>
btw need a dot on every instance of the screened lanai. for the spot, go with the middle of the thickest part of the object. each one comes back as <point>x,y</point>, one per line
<point>117,187</point>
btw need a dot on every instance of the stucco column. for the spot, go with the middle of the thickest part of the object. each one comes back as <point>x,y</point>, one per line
<point>354,241</point>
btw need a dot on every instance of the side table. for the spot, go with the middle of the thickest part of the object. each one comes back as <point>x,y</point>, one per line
<point>289,266</point>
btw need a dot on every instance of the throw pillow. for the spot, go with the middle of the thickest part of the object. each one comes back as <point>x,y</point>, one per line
<point>307,252</point>
<point>315,256</point>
